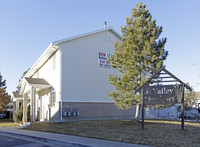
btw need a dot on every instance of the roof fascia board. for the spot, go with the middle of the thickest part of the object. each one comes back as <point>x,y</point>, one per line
<point>28,74</point>
<point>19,98</point>
<point>53,45</point>
<point>23,83</point>
<point>39,85</point>
<point>87,34</point>
<point>115,32</point>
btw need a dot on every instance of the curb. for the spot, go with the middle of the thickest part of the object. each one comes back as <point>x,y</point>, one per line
<point>44,139</point>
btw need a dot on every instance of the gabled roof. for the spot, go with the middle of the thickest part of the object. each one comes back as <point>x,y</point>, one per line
<point>17,95</point>
<point>87,34</point>
<point>51,49</point>
<point>165,72</point>
<point>37,82</point>
<point>54,46</point>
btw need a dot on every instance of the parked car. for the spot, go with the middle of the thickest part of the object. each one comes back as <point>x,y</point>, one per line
<point>190,114</point>
<point>2,115</point>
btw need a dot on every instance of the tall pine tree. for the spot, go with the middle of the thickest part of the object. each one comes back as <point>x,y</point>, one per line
<point>2,82</point>
<point>140,54</point>
<point>4,98</point>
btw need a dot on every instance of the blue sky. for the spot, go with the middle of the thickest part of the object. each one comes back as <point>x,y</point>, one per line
<point>28,27</point>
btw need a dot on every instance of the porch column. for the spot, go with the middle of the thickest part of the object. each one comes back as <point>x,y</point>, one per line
<point>17,105</point>
<point>35,105</point>
<point>14,110</point>
<point>32,104</point>
<point>25,98</point>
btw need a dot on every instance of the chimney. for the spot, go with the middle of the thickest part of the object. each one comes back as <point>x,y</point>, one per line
<point>105,23</point>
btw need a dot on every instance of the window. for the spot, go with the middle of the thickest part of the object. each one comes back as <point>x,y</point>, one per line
<point>52,99</point>
<point>20,103</point>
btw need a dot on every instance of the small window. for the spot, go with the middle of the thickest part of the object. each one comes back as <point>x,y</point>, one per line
<point>107,37</point>
<point>111,38</point>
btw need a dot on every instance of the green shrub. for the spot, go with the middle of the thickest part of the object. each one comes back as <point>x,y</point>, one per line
<point>28,113</point>
<point>18,117</point>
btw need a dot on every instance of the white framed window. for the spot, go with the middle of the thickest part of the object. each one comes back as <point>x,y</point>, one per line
<point>52,98</point>
<point>107,37</point>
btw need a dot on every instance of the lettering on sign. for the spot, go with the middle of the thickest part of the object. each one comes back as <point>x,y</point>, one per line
<point>103,59</point>
<point>160,95</point>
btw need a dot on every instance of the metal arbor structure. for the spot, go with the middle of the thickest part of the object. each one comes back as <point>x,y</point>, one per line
<point>160,90</point>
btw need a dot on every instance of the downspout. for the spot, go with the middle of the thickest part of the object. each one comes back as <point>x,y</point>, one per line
<point>60,84</point>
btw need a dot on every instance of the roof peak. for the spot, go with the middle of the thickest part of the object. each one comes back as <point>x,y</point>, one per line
<point>87,34</point>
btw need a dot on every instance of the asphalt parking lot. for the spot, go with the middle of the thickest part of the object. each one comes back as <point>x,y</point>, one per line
<point>8,141</point>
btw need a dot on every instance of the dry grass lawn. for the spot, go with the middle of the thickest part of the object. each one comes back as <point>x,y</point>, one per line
<point>156,133</point>
<point>8,123</point>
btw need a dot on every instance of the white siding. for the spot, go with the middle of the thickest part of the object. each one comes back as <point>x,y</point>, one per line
<point>82,79</point>
<point>50,71</point>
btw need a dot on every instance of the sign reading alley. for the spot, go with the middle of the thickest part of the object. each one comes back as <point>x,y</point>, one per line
<point>159,95</point>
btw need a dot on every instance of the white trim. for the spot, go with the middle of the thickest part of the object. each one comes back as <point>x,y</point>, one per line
<point>53,99</point>
<point>60,84</point>
<point>87,34</point>
<point>53,47</point>
<point>22,87</point>
<point>39,85</point>
<point>18,98</point>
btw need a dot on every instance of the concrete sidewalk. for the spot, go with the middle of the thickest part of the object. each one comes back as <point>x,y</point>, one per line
<point>62,139</point>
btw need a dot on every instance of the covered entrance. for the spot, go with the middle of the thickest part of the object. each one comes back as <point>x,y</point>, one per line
<point>33,92</point>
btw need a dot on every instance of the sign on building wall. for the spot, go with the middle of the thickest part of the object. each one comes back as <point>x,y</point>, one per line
<point>103,59</point>
<point>159,95</point>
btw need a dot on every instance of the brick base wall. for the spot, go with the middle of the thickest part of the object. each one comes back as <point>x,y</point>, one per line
<point>90,110</point>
